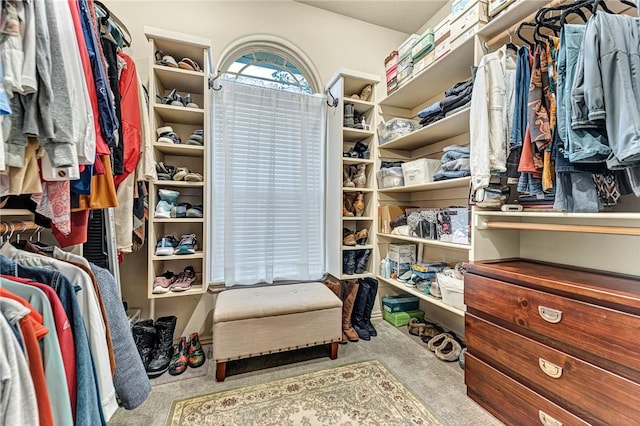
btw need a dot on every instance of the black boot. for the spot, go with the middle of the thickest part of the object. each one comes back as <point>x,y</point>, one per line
<point>361,149</point>
<point>165,326</point>
<point>357,316</point>
<point>348,115</point>
<point>371,300</point>
<point>362,261</point>
<point>349,262</point>
<point>144,335</point>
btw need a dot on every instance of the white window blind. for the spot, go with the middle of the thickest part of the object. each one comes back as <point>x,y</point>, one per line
<point>268,185</point>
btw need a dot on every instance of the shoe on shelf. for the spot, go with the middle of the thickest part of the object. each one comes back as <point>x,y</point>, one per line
<point>193,177</point>
<point>168,195</point>
<point>196,138</point>
<point>179,360</point>
<point>187,101</point>
<point>184,280</point>
<point>359,177</point>
<point>165,171</point>
<point>180,210</point>
<point>188,244</point>
<point>189,64</point>
<point>195,211</point>
<point>181,172</point>
<point>362,236</point>
<point>162,283</point>
<point>362,259</point>
<point>163,209</point>
<point>167,135</point>
<point>195,351</point>
<point>348,237</point>
<point>166,246</point>
<point>164,59</point>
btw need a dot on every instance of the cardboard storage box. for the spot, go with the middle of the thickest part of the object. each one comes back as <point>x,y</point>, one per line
<point>422,63</point>
<point>391,61</point>
<point>407,45</point>
<point>476,16</point>
<point>419,171</point>
<point>392,85</point>
<point>401,303</point>
<point>387,213</point>
<point>454,225</point>
<point>497,6</point>
<point>423,45</point>
<point>460,6</point>
<point>442,49</point>
<point>442,30</point>
<point>402,256</point>
<point>399,319</point>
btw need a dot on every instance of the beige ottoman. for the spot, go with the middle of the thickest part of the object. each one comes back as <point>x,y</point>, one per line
<point>250,321</point>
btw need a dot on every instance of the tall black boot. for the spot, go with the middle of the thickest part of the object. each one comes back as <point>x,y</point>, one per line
<point>165,327</point>
<point>357,316</point>
<point>144,335</point>
<point>348,115</point>
<point>362,261</point>
<point>371,300</point>
<point>349,262</point>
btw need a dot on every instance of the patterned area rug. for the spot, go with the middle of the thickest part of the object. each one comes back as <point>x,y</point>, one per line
<point>364,393</point>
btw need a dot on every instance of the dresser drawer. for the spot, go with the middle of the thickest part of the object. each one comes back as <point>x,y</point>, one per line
<point>604,334</point>
<point>598,395</point>
<point>510,401</point>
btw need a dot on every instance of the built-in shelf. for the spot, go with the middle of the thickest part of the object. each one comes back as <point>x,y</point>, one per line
<point>352,160</point>
<point>178,220</point>
<point>510,16</point>
<point>197,255</point>
<point>356,276</point>
<point>455,66</point>
<point>194,290</point>
<point>563,215</point>
<point>442,184</point>
<point>353,135</point>
<point>179,149</point>
<point>179,114</point>
<point>454,125</point>
<point>357,218</point>
<point>15,212</point>
<point>435,243</point>
<point>359,105</point>
<point>185,81</point>
<point>179,183</point>
<point>348,189</point>
<point>347,248</point>
<point>426,297</point>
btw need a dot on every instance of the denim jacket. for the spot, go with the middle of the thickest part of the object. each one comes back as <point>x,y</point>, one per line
<point>491,115</point>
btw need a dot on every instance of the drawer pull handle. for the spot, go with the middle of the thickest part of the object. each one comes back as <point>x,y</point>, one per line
<point>547,420</point>
<point>550,315</point>
<point>549,368</point>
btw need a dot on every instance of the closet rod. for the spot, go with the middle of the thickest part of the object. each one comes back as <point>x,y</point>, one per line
<point>588,229</point>
<point>512,30</point>
<point>18,227</point>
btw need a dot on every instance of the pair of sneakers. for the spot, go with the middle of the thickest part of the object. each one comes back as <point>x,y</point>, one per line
<point>169,281</point>
<point>169,245</point>
<point>168,200</point>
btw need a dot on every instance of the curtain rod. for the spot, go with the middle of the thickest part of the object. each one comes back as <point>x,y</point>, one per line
<point>589,229</point>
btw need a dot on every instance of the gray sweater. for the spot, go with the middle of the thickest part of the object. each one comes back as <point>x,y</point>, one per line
<point>130,379</point>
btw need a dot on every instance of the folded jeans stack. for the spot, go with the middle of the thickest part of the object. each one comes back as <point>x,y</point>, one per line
<point>455,163</point>
<point>456,98</point>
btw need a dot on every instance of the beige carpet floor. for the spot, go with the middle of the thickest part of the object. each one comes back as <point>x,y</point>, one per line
<point>363,393</point>
<point>439,385</point>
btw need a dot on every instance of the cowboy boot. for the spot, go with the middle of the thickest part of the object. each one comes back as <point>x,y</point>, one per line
<point>349,262</point>
<point>362,261</point>
<point>350,290</point>
<point>358,204</point>
<point>359,179</point>
<point>165,326</point>
<point>346,176</point>
<point>357,316</point>
<point>347,205</point>
<point>371,300</point>
<point>336,288</point>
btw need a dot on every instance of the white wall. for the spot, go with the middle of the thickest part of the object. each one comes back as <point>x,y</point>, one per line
<point>331,41</point>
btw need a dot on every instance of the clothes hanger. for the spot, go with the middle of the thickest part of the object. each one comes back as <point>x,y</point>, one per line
<point>510,45</point>
<point>114,23</point>
<point>519,32</point>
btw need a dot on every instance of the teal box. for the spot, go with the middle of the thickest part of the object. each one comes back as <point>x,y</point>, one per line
<point>400,303</point>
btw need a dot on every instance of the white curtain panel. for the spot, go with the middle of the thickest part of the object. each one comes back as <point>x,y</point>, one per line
<point>268,185</point>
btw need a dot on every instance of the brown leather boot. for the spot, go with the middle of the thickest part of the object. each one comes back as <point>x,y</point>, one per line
<point>349,292</point>
<point>336,288</point>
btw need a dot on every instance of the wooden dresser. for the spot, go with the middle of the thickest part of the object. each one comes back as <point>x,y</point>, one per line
<point>551,344</point>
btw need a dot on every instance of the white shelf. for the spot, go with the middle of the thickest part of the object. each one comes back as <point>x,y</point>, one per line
<point>194,290</point>
<point>178,114</point>
<point>454,125</point>
<point>179,149</point>
<point>357,218</point>
<point>455,66</point>
<point>443,184</point>
<point>178,220</point>
<point>184,81</point>
<point>178,183</point>
<point>510,16</point>
<point>428,298</point>
<point>353,135</point>
<point>360,106</point>
<point>348,189</point>
<point>564,215</point>
<point>15,212</point>
<point>349,248</point>
<point>197,255</point>
<point>351,160</point>
<point>356,276</point>
<point>435,243</point>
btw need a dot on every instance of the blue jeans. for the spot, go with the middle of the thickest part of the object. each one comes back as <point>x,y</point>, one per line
<point>521,98</point>
<point>89,404</point>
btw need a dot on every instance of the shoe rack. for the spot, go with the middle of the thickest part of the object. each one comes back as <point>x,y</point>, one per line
<point>184,121</point>
<point>341,140</point>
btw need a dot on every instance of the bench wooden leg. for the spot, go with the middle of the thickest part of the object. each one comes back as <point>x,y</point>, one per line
<point>221,368</point>
<point>334,350</point>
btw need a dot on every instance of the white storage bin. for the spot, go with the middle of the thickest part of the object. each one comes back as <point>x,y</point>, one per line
<point>474,17</point>
<point>390,177</point>
<point>419,171</point>
<point>452,290</point>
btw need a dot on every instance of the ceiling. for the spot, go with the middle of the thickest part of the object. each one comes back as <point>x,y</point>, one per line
<point>399,15</point>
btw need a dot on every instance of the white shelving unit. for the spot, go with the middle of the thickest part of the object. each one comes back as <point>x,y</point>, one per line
<point>341,139</point>
<point>184,121</point>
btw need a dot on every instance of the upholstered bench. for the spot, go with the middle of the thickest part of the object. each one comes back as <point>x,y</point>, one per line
<point>251,321</point>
